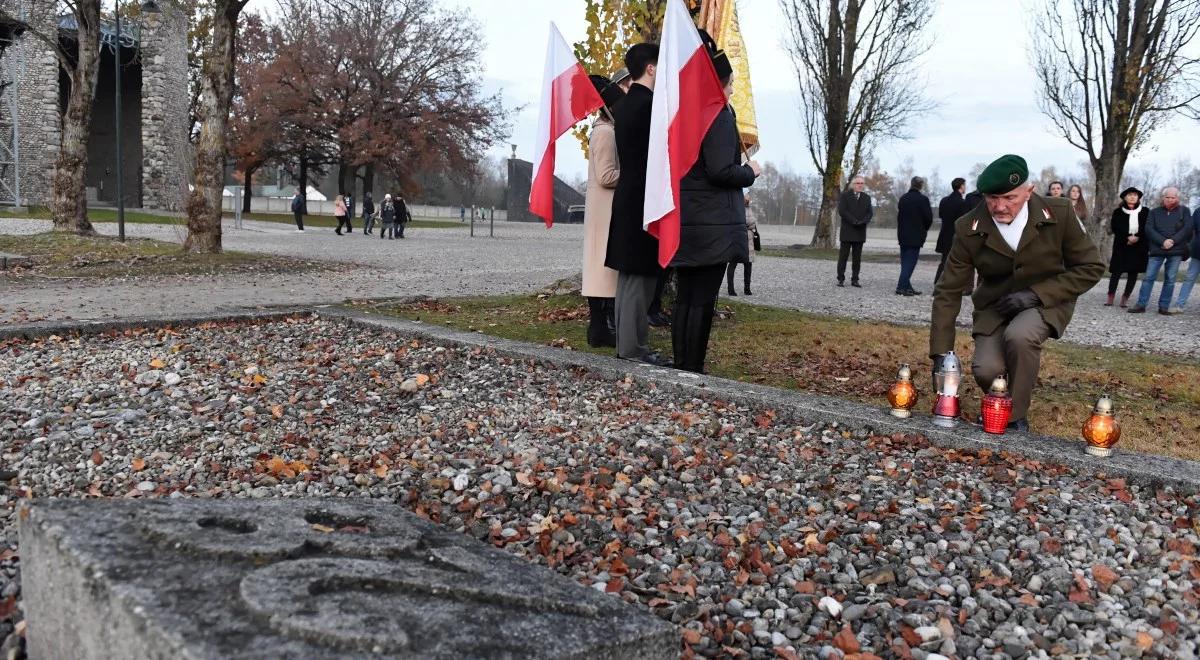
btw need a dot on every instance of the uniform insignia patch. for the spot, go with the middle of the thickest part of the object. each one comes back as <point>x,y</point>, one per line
<point>1046,212</point>
<point>975,224</point>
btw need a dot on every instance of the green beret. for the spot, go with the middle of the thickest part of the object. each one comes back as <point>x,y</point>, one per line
<point>1003,175</point>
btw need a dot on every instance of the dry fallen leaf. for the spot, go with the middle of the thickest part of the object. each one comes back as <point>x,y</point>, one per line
<point>138,464</point>
<point>97,457</point>
<point>322,528</point>
<point>157,364</point>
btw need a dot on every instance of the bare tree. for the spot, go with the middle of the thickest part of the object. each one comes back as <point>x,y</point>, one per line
<point>81,62</point>
<point>204,203</point>
<point>854,60</point>
<point>1112,72</point>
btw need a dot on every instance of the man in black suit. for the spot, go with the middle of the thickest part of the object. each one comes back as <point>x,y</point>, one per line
<point>854,208</point>
<point>951,208</point>
<point>633,252</point>
<point>914,217</point>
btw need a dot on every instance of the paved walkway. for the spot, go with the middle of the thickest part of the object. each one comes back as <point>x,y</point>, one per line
<point>521,258</point>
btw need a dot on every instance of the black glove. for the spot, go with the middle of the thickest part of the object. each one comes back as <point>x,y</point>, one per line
<point>1017,302</point>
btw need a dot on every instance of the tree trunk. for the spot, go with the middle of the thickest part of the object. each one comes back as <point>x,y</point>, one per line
<point>346,179</point>
<point>246,194</point>
<point>369,179</point>
<point>69,185</point>
<point>204,203</point>
<point>1109,169</point>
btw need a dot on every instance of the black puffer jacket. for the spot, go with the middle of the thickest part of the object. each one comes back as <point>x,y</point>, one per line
<point>712,214</point>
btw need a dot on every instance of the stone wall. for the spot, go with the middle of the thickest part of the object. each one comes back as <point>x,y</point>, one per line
<point>36,70</point>
<point>166,152</point>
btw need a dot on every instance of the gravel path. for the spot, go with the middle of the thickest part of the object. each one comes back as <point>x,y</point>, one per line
<point>759,537</point>
<point>523,257</point>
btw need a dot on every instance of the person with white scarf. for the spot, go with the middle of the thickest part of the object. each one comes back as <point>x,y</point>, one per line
<point>1130,250</point>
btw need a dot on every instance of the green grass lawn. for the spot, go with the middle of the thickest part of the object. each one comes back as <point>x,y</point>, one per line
<point>61,255</point>
<point>1157,401</point>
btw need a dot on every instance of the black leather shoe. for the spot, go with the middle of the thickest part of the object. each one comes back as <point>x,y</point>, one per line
<point>855,284</point>
<point>660,320</point>
<point>656,360</point>
<point>747,291</point>
<point>841,283</point>
<point>733,293</point>
<point>913,292</point>
<point>1019,425</point>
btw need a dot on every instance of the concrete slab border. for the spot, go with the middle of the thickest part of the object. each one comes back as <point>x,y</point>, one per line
<point>798,407</point>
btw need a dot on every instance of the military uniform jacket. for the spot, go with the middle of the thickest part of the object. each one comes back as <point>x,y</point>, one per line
<point>1054,258</point>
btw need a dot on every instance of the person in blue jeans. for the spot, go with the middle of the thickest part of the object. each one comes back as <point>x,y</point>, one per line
<point>914,217</point>
<point>1169,231</point>
<point>1193,271</point>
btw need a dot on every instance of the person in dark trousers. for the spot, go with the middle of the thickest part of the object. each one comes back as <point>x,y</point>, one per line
<point>1130,249</point>
<point>712,229</point>
<point>1034,260</point>
<point>751,232</point>
<point>403,217</point>
<point>368,213</point>
<point>1169,232</point>
<point>350,211</point>
<point>914,217</point>
<point>951,208</point>
<point>298,210</point>
<point>632,251</point>
<point>387,213</point>
<point>655,315</point>
<point>854,208</point>
<point>339,213</point>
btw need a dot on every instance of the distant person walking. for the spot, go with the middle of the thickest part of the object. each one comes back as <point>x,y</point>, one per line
<point>914,217</point>
<point>1169,230</point>
<point>854,208</point>
<point>298,210</point>
<point>403,217</point>
<point>1193,271</point>
<point>951,208</point>
<point>368,213</point>
<point>350,208</point>
<point>1130,249</point>
<point>339,213</point>
<point>387,212</point>
<point>753,244</point>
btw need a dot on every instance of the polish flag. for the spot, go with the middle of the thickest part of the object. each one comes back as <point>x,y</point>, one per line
<point>687,98</point>
<point>567,97</point>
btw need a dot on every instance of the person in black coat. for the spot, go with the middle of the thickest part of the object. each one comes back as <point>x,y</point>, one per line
<point>403,217</point>
<point>632,251</point>
<point>951,208</point>
<point>368,213</point>
<point>712,229</point>
<point>854,208</point>
<point>1130,250</point>
<point>914,217</point>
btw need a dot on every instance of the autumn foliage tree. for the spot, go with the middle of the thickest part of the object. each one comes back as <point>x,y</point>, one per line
<point>394,85</point>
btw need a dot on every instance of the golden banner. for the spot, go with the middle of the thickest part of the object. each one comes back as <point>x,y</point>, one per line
<point>720,19</point>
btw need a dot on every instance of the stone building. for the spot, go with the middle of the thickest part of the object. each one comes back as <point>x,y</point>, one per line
<point>154,98</point>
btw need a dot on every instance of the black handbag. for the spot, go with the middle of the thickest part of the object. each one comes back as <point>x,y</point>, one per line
<point>757,242</point>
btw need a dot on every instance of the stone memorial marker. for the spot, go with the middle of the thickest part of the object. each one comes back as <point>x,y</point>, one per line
<point>300,578</point>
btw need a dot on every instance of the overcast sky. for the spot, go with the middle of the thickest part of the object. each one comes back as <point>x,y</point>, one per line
<point>977,70</point>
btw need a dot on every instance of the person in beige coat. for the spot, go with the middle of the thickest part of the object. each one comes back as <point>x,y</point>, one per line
<point>600,282</point>
<point>751,230</point>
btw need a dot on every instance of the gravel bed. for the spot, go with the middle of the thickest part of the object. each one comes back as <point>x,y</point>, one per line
<point>758,536</point>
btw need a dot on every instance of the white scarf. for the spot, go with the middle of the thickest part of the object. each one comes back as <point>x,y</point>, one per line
<point>1133,214</point>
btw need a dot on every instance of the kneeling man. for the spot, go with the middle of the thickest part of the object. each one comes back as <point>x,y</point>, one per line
<point>1033,259</point>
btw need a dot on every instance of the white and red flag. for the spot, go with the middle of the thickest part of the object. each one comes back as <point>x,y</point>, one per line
<point>567,97</point>
<point>687,98</point>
